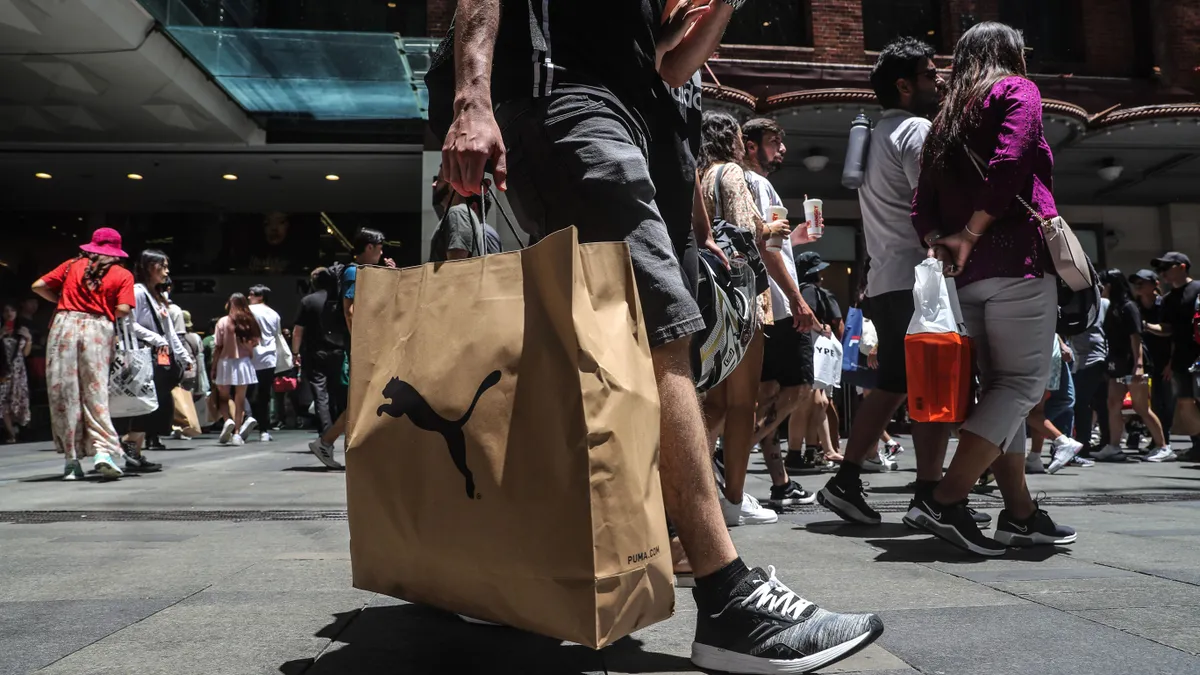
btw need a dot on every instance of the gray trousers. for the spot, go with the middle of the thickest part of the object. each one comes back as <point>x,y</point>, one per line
<point>1012,322</point>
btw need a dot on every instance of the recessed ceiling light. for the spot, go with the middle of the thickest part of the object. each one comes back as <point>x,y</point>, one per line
<point>333,176</point>
<point>133,176</point>
<point>229,176</point>
<point>43,175</point>
<point>391,5</point>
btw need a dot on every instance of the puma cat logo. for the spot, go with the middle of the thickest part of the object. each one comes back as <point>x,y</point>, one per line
<point>406,400</point>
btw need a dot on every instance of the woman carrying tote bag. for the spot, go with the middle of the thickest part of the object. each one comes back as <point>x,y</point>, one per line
<point>91,292</point>
<point>152,326</point>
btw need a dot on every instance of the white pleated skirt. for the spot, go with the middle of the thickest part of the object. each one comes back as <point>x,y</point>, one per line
<point>236,372</point>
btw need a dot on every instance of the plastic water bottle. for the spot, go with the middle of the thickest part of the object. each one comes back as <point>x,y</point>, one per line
<point>856,152</point>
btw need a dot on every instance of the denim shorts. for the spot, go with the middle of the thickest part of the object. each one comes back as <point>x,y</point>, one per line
<point>578,159</point>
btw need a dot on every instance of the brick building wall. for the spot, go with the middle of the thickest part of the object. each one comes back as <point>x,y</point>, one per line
<point>437,15</point>
<point>837,31</point>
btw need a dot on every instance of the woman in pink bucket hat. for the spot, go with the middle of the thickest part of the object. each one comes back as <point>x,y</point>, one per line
<point>91,291</point>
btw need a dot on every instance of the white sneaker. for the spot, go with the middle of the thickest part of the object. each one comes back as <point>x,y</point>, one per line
<point>227,432</point>
<point>1163,454</point>
<point>1107,453</point>
<point>324,453</point>
<point>1033,464</point>
<point>265,437</point>
<point>892,449</point>
<point>103,462</point>
<point>879,464</point>
<point>237,440</point>
<point>250,424</point>
<point>749,512</point>
<point>1064,450</point>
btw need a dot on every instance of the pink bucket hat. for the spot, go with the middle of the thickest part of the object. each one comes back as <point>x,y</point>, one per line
<point>105,241</point>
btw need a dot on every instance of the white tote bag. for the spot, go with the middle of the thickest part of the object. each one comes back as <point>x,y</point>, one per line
<point>827,362</point>
<point>131,389</point>
<point>284,359</point>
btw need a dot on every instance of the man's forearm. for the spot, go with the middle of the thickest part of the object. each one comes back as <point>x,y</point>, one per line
<point>777,270</point>
<point>679,63</point>
<point>476,25</point>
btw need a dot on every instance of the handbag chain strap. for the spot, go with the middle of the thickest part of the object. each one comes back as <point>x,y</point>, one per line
<point>1051,228</point>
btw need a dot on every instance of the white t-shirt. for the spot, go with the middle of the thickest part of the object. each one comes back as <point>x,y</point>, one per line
<point>893,167</point>
<point>765,197</point>
<point>265,356</point>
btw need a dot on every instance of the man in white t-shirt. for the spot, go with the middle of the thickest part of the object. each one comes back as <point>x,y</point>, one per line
<point>787,355</point>
<point>264,359</point>
<point>908,86</point>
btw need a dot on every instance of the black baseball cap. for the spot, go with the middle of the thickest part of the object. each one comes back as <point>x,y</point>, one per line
<point>809,262</point>
<point>1171,259</point>
<point>1143,275</point>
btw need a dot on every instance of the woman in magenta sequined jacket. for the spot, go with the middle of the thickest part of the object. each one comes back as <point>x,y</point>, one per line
<point>985,154</point>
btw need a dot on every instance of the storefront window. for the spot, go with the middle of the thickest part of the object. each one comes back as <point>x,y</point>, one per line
<point>886,20</point>
<point>776,23</point>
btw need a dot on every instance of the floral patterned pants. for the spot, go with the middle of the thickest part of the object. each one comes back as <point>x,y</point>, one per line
<point>79,353</point>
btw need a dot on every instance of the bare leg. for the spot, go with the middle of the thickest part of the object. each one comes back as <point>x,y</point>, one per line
<point>798,422</point>
<point>929,441</point>
<point>874,413</point>
<point>773,456</point>
<point>1139,394</point>
<point>239,406</point>
<point>975,454</point>
<point>1116,421</point>
<point>1009,469</point>
<point>715,407</point>
<point>688,489</point>
<point>835,425</point>
<point>8,426</point>
<point>1040,427</point>
<point>741,397</point>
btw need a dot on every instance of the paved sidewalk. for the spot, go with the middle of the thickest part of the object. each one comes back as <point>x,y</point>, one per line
<point>235,560</point>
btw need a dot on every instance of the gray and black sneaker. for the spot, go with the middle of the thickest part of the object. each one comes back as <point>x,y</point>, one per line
<point>1036,530</point>
<point>791,494</point>
<point>766,628</point>
<point>953,523</point>
<point>981,519</point>
<point>847,499</point>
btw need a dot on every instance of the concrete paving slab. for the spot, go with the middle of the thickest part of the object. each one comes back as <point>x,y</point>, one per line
<point>1043,573</point>
<point>1106,593</point>
<point>1023,639</point>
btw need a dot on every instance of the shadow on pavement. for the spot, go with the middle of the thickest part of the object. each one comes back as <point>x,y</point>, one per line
<point>313,469</point>
<point>933,549</point>
<point>841,528</point>
<point>419,640</point>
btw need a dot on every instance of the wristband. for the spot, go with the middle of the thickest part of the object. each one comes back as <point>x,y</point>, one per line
<point>967,229</point>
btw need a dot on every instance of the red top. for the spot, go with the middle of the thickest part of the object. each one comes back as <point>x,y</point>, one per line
<point>75,296</point>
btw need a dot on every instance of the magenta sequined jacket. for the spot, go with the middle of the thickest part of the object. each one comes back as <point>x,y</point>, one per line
<point>1019,160</point>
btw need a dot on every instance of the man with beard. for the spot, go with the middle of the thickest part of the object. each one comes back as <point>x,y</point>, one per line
<point>908,86</point>
<point>787,359</point>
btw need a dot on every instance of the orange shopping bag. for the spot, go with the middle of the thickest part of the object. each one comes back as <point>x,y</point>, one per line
<point>937,350</point>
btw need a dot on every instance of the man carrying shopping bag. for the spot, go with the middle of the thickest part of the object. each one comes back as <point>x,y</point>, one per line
<point>577,143</point>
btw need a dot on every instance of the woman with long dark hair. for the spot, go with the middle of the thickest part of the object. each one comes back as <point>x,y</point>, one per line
<point>1128,369</point>
<point>16,343</point>
<point>91,292</point>
<point>731,405</point>
<point>985,154</point>
<point>233,371</point>
<point>152,325</point>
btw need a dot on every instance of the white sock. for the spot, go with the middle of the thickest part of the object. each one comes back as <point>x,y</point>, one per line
<point>1061,440</point>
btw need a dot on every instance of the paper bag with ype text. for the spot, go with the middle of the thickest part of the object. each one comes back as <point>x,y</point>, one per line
<point>503,442</point>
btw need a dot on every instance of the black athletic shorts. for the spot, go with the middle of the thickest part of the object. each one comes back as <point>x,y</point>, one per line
<point>891,313</point>
<point>788,355</point>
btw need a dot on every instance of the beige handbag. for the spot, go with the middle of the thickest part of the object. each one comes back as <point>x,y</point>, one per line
<point>1070,262</point>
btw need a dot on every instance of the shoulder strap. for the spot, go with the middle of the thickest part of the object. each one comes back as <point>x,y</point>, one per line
<point>978,163</point>
<point>154,312</point>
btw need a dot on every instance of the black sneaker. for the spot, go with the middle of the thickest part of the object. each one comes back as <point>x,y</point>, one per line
<point>1036,530</point>
<point>801,459</point>
<point>155,444</point>
<point>791,494</point>
<point>139,464</point>
<point>848,500</point>
<point>981,519</point>
<point>953,523</point>
<point>766,628</point>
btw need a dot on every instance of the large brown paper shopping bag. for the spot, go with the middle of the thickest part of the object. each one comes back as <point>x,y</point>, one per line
<point>503,442</point>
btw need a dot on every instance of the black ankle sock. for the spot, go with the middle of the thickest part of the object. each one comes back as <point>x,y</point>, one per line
<point>716,588</point>
<point>849,471</point>
<point>926,487</point>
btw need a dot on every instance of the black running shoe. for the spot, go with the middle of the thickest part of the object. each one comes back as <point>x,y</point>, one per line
<point>139,464</point>
<point>848,500</point>
<point>791,494</point>
<point>953,523</point>
<point>1036,530</point>
<point>982,519</point>
<point>766,628</point>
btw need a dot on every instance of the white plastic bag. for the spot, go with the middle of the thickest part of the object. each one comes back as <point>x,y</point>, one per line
<point>935,301</point>
<point>827,362</point>
<point>131,390</point>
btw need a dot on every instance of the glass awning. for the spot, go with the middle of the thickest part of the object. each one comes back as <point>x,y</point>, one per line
<point>321,75</point>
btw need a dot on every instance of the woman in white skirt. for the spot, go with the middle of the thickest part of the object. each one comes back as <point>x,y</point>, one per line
<point>236,335</point>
